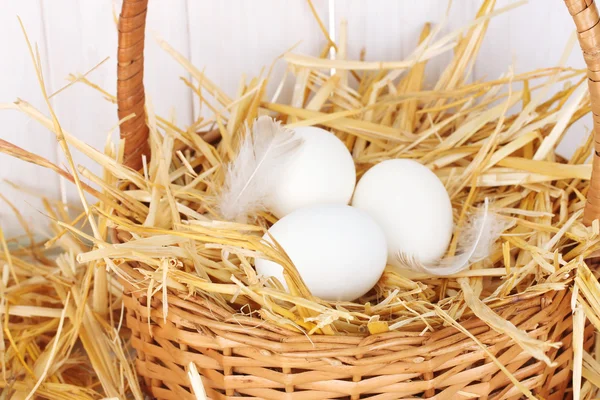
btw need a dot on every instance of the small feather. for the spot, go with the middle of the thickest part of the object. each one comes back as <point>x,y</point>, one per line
<point>475,245</point>
<point>252,175</point>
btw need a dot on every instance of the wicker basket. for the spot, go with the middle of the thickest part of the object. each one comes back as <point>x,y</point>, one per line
<point>249,358</point>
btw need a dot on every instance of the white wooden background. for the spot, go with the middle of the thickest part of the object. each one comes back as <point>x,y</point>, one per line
<point>227,38</point>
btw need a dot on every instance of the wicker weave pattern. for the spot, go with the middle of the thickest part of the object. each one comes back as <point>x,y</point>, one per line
<point>130,85</point>
<point>239,356</point>
<point>244,356</point>
<point>585,15</point>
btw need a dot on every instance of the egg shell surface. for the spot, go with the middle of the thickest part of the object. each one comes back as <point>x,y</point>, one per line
<point>338,250</point>
<point>411,205</point>
<point>321,171</point>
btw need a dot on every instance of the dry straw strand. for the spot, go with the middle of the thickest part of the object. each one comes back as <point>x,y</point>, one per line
<point>204,324</point>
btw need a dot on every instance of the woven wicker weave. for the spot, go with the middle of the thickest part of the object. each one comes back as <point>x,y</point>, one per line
<point>246,357</point>
<point>585,15</point>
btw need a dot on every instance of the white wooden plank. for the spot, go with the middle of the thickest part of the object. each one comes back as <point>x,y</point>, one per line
<point>74,48</point>
<point>389,30</point>
<point>91,37</point>
<point>168,20</point>
<point>530,37</point>
<point>231,38</point>
<point>18,79</point>
<point>228,39</point>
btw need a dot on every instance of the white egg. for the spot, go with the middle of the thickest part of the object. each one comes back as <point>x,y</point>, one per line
<point>338,250</point>
<point>321,171</point>
<point>412,206</point>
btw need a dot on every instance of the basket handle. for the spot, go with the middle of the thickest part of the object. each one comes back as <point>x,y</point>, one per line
<point>131,97</point>
<point>130,82</point>
<point>587,21</point>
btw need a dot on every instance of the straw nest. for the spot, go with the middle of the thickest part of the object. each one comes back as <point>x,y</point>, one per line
<point>61,314</point>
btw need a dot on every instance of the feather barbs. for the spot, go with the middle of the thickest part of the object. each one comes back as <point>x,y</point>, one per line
<point>251,176</point>
<point>475,244</point>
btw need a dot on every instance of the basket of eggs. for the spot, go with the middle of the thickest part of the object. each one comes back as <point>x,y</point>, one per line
<point>372,239</point>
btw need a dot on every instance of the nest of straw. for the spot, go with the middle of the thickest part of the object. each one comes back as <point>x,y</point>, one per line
<point>61,315</point>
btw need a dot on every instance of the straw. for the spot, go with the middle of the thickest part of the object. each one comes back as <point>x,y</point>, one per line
<point>195,309</point>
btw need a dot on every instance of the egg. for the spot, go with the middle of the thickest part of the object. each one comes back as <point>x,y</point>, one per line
<point>338,250</point>
<point>412,207</point>
<point>321,171</point>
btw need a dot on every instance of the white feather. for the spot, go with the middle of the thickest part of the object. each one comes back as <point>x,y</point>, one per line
<point>476,242</point>
<point>251,176</point>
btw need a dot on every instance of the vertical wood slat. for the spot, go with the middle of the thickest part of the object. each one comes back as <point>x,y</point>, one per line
<point>170,97</point>
<point>530,37</point>
<point>18,80</point>
<point>389,30</point>
<point>93,36</point>
<point>74,48</point>
<point>237,37</point>
<point>242,37</point>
